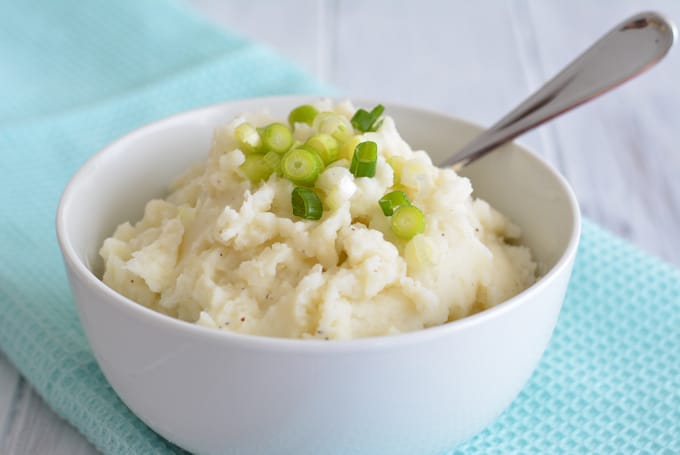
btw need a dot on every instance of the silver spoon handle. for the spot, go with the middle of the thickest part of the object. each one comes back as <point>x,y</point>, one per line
<point>626,51</point>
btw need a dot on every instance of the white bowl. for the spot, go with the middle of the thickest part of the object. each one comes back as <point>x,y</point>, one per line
<point>219,392</point>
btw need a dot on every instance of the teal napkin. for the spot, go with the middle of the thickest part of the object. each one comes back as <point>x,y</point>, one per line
<point>75,75</point>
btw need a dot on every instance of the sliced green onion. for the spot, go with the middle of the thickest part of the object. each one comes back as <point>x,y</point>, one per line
<point>364,159</point>
<point>325,145</point>
<point>347,147</point>
<point>319,160</point>
<point>256,168</point>
<point>277,137</point>
<point>334,124</point>
<point>301,166</point>
<point>408,221</point>
<point>392,201</point>
<point>302,114</point>
<point>248,138</point>
<point>272,159</point>
<point>397,164</point>
<point>365,121</point>
<point>306,203</point>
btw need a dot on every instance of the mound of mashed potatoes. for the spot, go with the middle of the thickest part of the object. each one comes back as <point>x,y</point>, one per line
<point>226,252</point>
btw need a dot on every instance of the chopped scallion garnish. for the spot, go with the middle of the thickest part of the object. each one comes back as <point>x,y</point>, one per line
<point>334,124</point>
<point>277,137</point>
<point>364,159</point>
<point>248,138</point>
<point>325,145</point>
<point>302,114</point>
<point>397,164</point>
<point>272,159</point>
<point>365,121</point>
<point>408,221</point>
<point>306,203</point>
<point>256,168</point>
<point>392,201</point>
<point>347,147</point>
<point>301,166</point>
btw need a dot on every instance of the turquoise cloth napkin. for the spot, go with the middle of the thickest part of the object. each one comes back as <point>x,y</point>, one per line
<point>75,75</point>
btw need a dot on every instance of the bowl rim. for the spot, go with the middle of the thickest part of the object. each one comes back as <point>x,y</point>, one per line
<point>269,343</point>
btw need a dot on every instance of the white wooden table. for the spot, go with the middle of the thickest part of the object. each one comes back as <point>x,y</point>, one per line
<point>475,60</point>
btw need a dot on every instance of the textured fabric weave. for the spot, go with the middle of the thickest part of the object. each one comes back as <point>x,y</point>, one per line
<point>609,381</point>
<point>76,75</point>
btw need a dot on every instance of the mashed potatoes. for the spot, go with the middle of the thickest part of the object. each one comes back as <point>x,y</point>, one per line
<point>227,252</point>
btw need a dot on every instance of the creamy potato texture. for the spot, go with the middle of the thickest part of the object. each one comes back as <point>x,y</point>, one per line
<point>224,252</point>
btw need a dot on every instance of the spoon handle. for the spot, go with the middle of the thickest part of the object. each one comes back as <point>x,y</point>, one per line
<point>626,51</point>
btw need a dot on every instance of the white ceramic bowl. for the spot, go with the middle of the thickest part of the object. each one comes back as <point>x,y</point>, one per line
<point>218,392</point>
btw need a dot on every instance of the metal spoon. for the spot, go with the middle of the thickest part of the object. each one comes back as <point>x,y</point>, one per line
<point>629,49</point>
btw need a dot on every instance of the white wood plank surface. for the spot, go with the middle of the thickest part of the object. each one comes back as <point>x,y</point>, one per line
<point>271,23</point>
<point>35,429</point>
<point>475,60</point>
<point>619,152</point>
